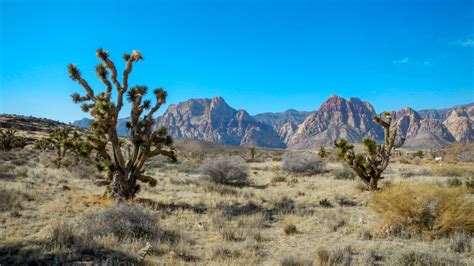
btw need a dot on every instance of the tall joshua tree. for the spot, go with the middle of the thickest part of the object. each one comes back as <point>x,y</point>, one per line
<point>370,166</point>
<point>124,170</point>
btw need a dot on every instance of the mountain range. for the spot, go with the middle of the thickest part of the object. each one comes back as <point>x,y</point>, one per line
<point>214,120</point>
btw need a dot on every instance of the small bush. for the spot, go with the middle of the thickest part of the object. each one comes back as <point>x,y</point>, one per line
<point>325,203</point>
<point>227,170</point>
<point>453,172</point>
<point>333,221</point>
<point>425,208</point>
<point>460,242</point>
<point>285,205</point>
<point>295,260</point>
<point>344,201</point>
<point>302,163</point>
<point>411,257</point>
<point>278,178</point>
<point>62,235</point>
<point>340,256</point>
<point>454,182</point>
<point>344,173</point>
<point>124,222</point>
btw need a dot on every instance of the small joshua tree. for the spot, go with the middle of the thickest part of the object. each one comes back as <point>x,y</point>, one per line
<point>123,171</point>
<point>369,167</point>
<point>9,140</point>
<point>64,140</point>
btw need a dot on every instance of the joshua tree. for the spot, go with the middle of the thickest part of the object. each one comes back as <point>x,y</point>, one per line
<point>9,140</point>
<point>322,152</point>
<point>65,140</point>
<point>123,171</point>
<point>369,167</point>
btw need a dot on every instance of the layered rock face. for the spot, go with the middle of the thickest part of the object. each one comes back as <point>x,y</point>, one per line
<point>336,118</point>
<point>214,120</point>
<point>460,123</point>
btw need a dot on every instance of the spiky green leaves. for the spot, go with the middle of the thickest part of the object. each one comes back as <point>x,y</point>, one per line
<point>126,56</point>
<point>136,91</point>
<point>160,95</point>
<point>371,145</point>
<point>74,72</point>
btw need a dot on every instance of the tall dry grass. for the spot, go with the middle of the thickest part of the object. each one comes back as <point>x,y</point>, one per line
<point>425,208</point>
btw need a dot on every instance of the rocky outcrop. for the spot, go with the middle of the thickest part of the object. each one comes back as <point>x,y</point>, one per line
<point>336,118</point>
<point>460,124</point>
<point>214,120</point>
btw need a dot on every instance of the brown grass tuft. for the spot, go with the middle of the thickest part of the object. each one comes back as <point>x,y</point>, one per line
<point>425,208</point>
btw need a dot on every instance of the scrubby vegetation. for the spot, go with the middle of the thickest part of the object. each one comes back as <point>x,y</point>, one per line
<point>9,140</point>
<point>302,163</point>
<point>230,170</point>
<point>426,209</point>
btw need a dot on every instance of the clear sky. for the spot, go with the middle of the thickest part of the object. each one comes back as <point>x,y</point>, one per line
<point>258,55</point>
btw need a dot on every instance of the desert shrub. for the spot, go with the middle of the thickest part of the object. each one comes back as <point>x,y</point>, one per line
<point>226,170</point>
<point>325,203</point>
<point>221,189</point>
<point>333,220</point>
<point>406,173</point>
<point>302,163</point>
<point>278,178</point>
<point>62,235</point>
<point>454,182</point>
<point>344,173</point>
<point>187,167</point>
<point>221,252</point>
<point>453,172</point>
<point>284,205</point>
<point>10,199</point>
<point>339,256</point>
<point>84,171</point>
<point>122,221</point>
<point>294,260</point>
<point>469,183</point>
<point>21,171</point>
<point>460,242</point>
<point>369,257</point>
<point>344,200</point>
<point>425,208</point>
<point>411,257</point>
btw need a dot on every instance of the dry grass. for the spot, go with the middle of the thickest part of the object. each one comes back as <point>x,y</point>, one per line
<point>63,218</point>
<point>425,208</point>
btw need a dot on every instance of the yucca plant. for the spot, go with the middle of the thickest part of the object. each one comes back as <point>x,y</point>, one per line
<point>123,171</point>
<point>370,166</point>
<point>9,140</point>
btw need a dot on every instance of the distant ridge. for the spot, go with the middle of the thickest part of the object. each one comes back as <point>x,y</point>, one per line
<point>214,120</point>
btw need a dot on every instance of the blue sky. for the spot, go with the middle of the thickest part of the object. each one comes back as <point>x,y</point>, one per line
<point>258,55</point>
